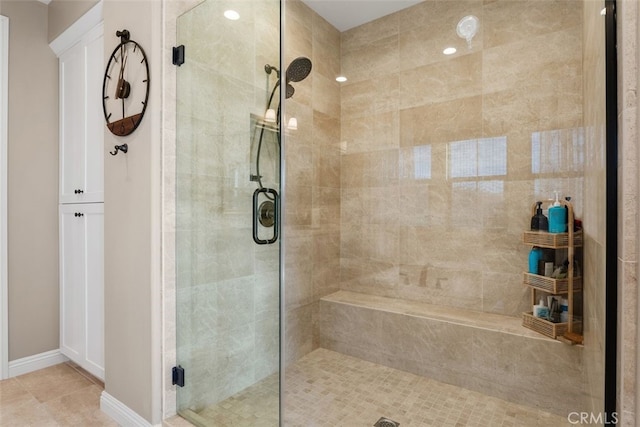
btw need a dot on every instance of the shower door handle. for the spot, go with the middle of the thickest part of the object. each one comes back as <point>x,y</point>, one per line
<point>276,215</point>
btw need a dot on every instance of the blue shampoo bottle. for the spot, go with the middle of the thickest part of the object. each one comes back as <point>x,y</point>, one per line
<point>534,257</point>
<point>557,217</point>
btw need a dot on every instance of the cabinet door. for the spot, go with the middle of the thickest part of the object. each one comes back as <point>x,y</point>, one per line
<point>82,285</point>
<point>94,286</point>
<point>81,120</point>
<point>94,124</point>
<point>72,280</point>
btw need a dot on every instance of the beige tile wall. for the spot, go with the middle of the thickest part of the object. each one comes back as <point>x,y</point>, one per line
<point>312,178</point>
<point>628,40</point>
<point>438,171</point>
<point>484,352</point>
<point>595,200</point>
<point>382,111</point>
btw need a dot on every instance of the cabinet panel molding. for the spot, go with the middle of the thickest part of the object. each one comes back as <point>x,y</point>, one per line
<point>82,285</point>
<point>81,120</point>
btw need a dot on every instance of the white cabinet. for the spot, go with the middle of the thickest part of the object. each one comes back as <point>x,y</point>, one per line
<point>81,202</point>
<point>82,285</point>
<point>81,120</point>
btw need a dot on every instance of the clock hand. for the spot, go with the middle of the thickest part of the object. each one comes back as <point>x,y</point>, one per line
<point>124,63</point>
<point>123,87</point>
<point>121,73</point>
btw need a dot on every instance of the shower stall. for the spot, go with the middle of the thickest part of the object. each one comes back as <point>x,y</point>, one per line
<point>351,252</point>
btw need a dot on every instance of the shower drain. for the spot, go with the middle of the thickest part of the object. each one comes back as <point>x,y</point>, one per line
<point>386,422</point>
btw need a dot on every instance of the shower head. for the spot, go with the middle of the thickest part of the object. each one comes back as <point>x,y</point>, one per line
<point>289,91</point>
<point>269,68</point>
<point>298,70</point>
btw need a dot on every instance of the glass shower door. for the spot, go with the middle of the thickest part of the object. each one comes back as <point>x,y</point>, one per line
<point>227,284</point>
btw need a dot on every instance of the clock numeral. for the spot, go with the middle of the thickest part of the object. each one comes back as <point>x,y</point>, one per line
<point>106,97</point>
<point>143,59</point>
<point>109,116</point>
<point>108,76</point>
<point>145,80</point>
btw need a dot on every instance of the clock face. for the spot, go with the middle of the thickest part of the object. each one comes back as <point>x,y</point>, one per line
<point>125,89</point>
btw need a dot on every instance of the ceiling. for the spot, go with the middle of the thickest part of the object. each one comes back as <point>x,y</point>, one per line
<point>346,14</point>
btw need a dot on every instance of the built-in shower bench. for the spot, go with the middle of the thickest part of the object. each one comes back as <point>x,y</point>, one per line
<point>485,352</point>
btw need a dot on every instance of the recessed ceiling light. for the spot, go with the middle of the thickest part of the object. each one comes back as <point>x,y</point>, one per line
<point>341,79</point>
<point>449,51</point>
<point>232,15</point>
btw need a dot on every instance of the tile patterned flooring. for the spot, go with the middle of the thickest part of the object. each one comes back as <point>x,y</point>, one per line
<point>61,395</point>
<point>326,388</point>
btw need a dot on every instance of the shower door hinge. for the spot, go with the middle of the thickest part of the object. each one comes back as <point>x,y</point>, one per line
<point>178,376</point>
<point>178,55</point>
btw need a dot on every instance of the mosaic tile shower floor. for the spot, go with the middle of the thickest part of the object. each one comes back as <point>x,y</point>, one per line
<point>326,388</point>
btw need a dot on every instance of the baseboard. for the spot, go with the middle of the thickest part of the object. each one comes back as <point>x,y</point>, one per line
<point>35,362</point>
<point>121,413</point>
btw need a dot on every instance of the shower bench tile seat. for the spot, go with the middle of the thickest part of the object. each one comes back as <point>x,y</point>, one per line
<point>485,352</point>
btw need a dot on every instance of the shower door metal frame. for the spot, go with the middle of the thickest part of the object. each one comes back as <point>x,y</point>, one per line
<point>611,263</point>
<point>281,221</point>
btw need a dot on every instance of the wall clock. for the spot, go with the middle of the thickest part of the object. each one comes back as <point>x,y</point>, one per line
<point>125,88</point>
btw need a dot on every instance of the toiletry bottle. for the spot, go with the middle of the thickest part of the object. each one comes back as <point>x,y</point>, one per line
<point>564,310</point>
<point>534,257</point>
<point>536,309</point>
<point>539,221</point>
<point>554,310</point>
<point>546,262</point>
<point>541,310</point>
<point>557,217</point>
<point>548,268</point>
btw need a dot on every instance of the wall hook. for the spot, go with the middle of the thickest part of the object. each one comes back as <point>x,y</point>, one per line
<point>124,148</point>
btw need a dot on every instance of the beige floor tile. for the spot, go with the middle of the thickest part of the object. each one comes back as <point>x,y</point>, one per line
<point>79,408</point>
<point>326,388</point>
<point>11,391</point>
<point>57,396</point>
<point>53,382</point>
<point>176,421</point>
<point>86,374</point>
<point>26,412</point>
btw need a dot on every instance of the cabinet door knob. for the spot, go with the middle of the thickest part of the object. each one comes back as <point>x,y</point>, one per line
<point>78,214</point>
<point>78,191</point>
